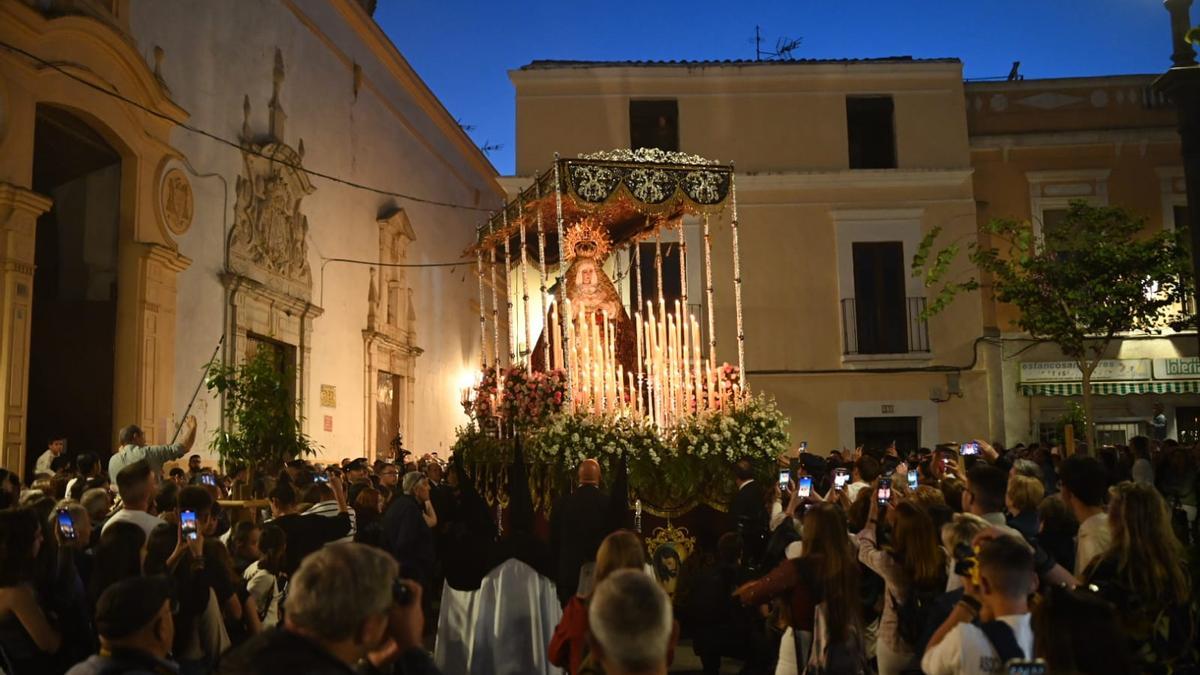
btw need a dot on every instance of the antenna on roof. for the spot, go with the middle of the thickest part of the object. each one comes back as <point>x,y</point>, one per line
<point>1015,73</point>
<point>784,46</point>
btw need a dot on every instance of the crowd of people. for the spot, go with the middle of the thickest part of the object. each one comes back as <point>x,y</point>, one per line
<point>964,558</point>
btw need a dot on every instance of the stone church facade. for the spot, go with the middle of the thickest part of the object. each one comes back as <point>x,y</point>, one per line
<point>129,239</point>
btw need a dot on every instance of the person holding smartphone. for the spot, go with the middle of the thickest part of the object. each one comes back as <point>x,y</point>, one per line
<point>913,562</point>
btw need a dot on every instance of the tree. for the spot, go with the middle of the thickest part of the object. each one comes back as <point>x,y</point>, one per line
<point>1092,277</point>
<point>263,429</point>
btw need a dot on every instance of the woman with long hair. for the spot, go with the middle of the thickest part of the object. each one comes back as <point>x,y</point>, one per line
<point>620,550</point>
<point>1076,632</point>
<point>28,638</point>
<point>823,581</point>
<point>1143,574</point>
<point>119,555</point>
<point>912,565</point>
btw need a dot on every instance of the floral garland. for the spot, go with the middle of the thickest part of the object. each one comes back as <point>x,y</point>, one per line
<point>529,399</point>
<point>693,460</point>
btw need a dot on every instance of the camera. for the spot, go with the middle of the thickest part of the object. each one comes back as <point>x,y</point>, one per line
<point>965,564</point>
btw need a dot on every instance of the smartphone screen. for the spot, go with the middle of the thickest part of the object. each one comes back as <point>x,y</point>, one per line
<point>187,521</point>
<point>912,479</point>
<point>208,479</point>
<point>321,478</point>
<point>784,477</point>
<point>66,525</point>
<point>884,494</point>
<point>805,486</point>
<point>840,479</point>
<point>803,446</point>
<point>969,449</point>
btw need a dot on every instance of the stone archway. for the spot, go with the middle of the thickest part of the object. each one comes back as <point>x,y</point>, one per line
<point>87,51</point>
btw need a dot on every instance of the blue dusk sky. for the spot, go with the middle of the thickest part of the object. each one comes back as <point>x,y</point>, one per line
<point>464,49</point>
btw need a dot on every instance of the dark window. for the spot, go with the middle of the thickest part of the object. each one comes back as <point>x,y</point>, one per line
<point>880,314</point>
<point>389,394</point>
<point>1182,216</point>
<point>871,129</point>
<point>282,354</point>
<point>1187,420</point>
<point>876,434</point>
<point>654,124</point>
<point>648,277</point>
<point>1052,219</point>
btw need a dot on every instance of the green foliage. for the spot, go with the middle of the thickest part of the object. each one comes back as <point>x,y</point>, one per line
<point>1095,275</point>
<point>263,429</point>
<point>669,468</point>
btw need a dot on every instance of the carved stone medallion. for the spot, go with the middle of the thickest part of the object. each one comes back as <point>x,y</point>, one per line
<point>269,231</point>
<point>176,201</point>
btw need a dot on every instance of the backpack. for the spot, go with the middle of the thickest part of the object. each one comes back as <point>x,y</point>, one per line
<point>912,614</point>
<point>1003,640</point>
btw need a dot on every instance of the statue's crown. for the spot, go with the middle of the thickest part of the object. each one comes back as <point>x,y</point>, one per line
<point>587,239</point>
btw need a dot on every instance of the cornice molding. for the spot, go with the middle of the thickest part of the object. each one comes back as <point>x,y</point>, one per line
<point>865,178</point>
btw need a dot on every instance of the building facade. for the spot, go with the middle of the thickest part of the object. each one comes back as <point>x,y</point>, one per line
<point>161,206</point>
<point>842,167</point>
<point>1036,146</point>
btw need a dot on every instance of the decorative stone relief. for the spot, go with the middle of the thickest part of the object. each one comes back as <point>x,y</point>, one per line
<point>176,201</point>
<point>1050,100</point>
<point>269,242</point>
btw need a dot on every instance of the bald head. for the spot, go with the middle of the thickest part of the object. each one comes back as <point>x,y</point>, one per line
<point>589,472</point>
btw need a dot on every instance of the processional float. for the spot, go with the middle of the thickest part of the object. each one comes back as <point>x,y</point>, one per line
<point>621,354</point>
<point>577,363</point>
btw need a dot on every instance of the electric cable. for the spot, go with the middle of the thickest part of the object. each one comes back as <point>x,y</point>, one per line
<point>234,144</point>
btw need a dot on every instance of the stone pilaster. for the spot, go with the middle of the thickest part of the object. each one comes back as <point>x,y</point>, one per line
<point>19,211</point>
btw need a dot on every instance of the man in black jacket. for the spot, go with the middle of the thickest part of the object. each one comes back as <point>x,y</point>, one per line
<point>749,512</point>
<point>578,525</point>
<point>338,622</point>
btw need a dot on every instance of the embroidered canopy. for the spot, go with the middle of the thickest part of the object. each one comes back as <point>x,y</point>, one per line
<point>631,192</point>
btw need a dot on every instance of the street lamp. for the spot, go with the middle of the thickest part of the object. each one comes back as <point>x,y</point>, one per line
<point>1181,85</point>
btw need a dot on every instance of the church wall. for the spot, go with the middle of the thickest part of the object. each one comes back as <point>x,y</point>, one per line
<point>386,135</point>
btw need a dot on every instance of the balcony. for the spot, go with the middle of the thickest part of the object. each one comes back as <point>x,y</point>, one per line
<point>890,330</point>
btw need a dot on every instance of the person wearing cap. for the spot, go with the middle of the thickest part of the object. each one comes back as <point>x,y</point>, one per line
<point>136,627</point>
<point>356,471</point>
<point>339,619</point>
<point>405,528</point>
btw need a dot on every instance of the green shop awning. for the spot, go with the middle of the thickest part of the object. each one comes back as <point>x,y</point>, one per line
<point>1111,388</point>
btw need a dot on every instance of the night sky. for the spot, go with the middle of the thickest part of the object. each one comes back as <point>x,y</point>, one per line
<point>463,49</point>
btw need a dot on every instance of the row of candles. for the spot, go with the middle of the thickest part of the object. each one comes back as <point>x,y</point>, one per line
<point>673,379</point>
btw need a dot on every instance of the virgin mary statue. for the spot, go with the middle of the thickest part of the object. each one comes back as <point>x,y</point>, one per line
<point>592,296</point>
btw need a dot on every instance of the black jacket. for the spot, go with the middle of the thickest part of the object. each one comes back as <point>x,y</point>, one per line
<point>308,533</point>
<point>405,535</point>
<point>749,514</point>
<point>280,652</point>
<point>579,523</point>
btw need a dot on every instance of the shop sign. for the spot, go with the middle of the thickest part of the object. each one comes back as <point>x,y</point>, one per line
<point>1177,369</point>
<point>1067,371</point>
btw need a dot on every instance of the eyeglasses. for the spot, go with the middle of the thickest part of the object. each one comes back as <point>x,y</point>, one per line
<point>390,473</point>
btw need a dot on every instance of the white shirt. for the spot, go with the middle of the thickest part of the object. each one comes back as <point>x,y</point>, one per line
<point>264,588</point>
<point>853,488</point>
<point>43,463</point>
<point>140,518</point>
<point>966,650</point>
<point>1092,540</point>
<point>1143,471</point>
